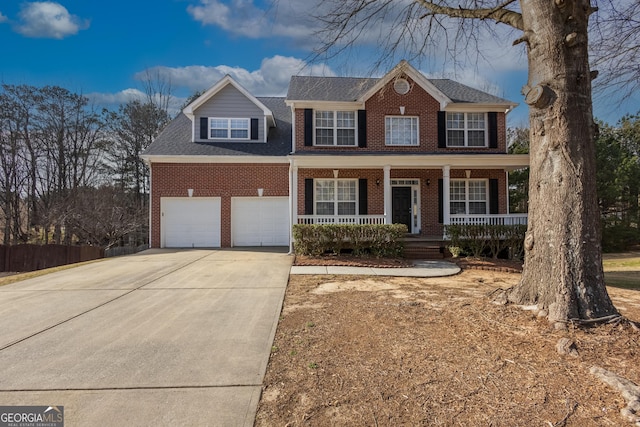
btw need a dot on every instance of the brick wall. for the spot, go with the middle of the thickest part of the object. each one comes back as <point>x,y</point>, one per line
<point>214,180</point>
<point>417,103</point>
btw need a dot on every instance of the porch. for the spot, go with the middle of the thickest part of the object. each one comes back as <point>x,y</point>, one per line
<point>489,219</point>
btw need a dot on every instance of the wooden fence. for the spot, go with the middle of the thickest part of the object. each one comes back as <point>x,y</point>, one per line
<point>36,257</point>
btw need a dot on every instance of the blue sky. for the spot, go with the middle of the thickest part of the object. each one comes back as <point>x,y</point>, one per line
<point>102,49</point>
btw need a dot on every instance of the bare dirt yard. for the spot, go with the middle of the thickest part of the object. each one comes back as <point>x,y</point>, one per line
<point>375,351</point>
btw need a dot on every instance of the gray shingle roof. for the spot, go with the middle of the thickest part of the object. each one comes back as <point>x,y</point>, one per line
<point>308,88</point>
<point>175,139</point>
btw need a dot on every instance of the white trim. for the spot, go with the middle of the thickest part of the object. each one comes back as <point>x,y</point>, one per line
<point>325,105</point>
<point>417,119</point>
<point>467,181</point>
<point>215,159</point>
<point>221,84</point>
<point>480,108</point>
<point>405,68</point>
<point>335,199</point>
<point>414,184</point>
<point>229,129</point>
<point>335,128</point>
<point>415,161</point>
<point>465,129</point>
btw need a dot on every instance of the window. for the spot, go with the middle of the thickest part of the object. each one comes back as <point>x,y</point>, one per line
<point>401,130</point>
<point>335,128</point>
<point>468,197</point>
<point>336,196</point>
<point>222,128</point>
<point>466,130</point>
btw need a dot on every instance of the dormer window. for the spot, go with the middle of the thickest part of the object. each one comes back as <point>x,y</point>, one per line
<point>227,128</point>
<point>335,128</point>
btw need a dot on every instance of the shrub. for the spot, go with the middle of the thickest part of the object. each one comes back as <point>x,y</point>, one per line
<point>478,240</point>
<point>381,240</point>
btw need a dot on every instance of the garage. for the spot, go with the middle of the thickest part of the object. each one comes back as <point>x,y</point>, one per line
<point>260,221</point>
<point>190,222</point>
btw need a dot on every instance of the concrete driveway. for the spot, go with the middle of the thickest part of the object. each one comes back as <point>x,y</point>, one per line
<point>164,337</point>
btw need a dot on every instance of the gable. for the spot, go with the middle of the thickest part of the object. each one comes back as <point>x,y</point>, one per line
<point>228,102</point>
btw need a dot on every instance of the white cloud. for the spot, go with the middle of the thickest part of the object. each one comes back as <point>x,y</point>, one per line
<point>48,20</point>
<point>3,18</point>
<point>293,19</point>
<point>272,79</point>
<point>121,97</point>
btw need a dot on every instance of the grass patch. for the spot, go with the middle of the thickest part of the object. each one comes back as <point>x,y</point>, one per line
<point>7,280</point>
<point>622,270</point>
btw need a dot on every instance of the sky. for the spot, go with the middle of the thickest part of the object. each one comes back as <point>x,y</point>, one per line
<point>106,49</point>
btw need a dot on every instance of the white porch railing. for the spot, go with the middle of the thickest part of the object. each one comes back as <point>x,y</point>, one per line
<point>340,219</point>
<point>501,219</point>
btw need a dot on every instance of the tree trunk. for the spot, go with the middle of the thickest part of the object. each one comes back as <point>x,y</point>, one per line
<point>563,271</point>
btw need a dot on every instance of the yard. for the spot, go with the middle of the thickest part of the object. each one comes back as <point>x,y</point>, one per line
<point>404,351</point>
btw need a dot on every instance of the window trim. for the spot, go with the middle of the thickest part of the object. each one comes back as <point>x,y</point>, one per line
<point>229,128</point>
<point>466,195</point>
<point>466,129</point>
<point>335,199</point>
<point>417,120</point>
<point>335,128</point>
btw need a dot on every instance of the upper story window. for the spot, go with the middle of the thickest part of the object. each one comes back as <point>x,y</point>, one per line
<point>224,128</point>
<point>401,130</point>
<point>468,196</point>
<point>335,128</point>
<point>336,196</point>
<point>466,130</point>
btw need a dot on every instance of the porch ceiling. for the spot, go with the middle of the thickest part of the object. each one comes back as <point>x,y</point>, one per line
<point>411,161</point>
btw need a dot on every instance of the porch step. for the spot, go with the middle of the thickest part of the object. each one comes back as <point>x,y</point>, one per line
<point>423,252</point>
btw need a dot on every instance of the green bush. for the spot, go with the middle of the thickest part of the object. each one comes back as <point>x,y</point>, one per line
<point>380,240</point>
<point>479,240</point>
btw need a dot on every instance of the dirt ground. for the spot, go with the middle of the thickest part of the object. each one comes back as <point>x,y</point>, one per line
<point>374,351</point>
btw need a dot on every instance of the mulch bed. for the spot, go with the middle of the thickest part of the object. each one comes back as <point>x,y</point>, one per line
<point>487,264</point>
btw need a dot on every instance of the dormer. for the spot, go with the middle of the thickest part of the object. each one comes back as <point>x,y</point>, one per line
<point>228,113</point>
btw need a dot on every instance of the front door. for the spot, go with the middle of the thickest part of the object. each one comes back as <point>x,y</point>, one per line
<point>401,206</point>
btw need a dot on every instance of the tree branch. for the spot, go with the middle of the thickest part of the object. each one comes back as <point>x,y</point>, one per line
<point>498,13</point>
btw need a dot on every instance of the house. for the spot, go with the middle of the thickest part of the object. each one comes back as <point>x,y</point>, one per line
<point>238,170</point>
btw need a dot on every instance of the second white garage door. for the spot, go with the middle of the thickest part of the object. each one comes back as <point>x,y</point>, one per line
<point>260,221</point>
<point>190,222</point>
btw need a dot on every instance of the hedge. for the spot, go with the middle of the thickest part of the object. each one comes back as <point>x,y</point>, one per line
<point>380,240</point>
<point>478,240</point>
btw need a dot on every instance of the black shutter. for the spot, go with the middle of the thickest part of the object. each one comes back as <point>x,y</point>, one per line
<point>493,130</point>
<point>308,196</point>
<point>442,130</point>
<point>362,196</point>
<point>440,201</point>
<point>494,205</point>
<point>254,128</point>
<point>204,128</point>
<point>362,128</point>
<point>308,127</point>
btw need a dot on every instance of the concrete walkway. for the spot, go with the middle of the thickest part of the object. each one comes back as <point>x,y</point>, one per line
<point>420,269</point>
<point>162,338</point>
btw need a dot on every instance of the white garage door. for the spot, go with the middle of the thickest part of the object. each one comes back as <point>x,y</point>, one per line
<point>190,222</point>
<point>260,221</point>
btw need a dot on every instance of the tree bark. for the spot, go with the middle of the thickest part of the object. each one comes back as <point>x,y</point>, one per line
<point>563,271</point>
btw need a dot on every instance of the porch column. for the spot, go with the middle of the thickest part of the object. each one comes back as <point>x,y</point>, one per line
<point>506,175</point>
<point>387,194</point>
<point>293,201</point>
<point>446,205</point>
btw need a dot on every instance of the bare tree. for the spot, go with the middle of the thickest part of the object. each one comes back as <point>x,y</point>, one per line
<point>563,272</point>
<point>615,46</point>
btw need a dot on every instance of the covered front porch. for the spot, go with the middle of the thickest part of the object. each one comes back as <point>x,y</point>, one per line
<point>410,189</point>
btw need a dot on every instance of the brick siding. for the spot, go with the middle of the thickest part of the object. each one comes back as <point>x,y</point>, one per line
<point>214,180</point>
<point>417,103</point>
